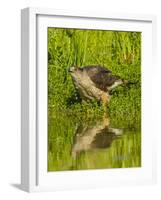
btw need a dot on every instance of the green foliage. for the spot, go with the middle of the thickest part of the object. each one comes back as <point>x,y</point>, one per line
<point>118,51</point>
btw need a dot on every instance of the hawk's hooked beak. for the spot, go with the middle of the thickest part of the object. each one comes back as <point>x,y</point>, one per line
<point>71,69</point>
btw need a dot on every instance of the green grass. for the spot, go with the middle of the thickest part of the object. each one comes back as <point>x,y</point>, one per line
<point>115,50</point>
<point>118,51</point>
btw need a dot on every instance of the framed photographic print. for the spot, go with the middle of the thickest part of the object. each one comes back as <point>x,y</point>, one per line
<point>86,99</point>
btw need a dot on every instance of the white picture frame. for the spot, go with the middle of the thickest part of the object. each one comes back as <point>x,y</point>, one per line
<point>34,134</point>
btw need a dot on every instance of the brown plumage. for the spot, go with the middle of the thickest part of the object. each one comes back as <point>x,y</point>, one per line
<point>94,82</point>
<point>103,78</point>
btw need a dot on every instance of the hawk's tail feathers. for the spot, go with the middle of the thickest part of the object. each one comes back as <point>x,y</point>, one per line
<point>128,83</point>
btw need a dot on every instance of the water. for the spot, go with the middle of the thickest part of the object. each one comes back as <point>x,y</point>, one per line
<point>92,143</point>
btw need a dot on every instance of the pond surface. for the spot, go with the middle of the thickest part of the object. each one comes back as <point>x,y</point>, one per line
<point>92,143</point>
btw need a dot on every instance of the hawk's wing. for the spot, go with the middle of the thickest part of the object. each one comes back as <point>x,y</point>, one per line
<point>102,77</point>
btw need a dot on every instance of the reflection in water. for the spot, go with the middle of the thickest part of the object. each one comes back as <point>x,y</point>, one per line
<point>92,143</point>
<point>93,137</point>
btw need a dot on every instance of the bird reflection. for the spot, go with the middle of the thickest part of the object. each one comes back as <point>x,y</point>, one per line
<point>90,136</point>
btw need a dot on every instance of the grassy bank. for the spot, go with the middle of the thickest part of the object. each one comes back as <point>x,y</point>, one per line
<point>118,51</point>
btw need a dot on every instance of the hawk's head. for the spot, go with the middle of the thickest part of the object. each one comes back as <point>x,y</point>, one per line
<point>75,69</point>
<point>76,72</point>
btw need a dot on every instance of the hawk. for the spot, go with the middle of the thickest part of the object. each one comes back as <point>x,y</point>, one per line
<point>95,82</point>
